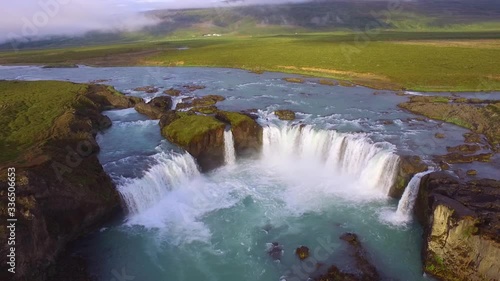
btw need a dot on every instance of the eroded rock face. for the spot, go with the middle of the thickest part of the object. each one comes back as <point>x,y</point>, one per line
<point>201,136</point>
<point>461,227</point>
<point>407,168</point>
<point>62,190</point>
<point>247,133</point>
<point>108,98</point>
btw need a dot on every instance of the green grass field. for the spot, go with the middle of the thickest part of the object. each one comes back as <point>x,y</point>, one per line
<point>421,61</point>
<point>28,110</point>
<point>384,63</point>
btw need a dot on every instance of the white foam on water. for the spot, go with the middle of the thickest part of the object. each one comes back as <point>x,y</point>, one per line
<point>301,169</point>
<point>170,173</point>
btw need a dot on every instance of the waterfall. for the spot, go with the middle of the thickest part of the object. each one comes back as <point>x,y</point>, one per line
<point>169,173</point>
<point>407,201</point>
<point>229,154</point>
<point>372,164</point>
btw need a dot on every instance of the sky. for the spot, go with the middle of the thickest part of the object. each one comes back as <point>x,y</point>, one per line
<point>37,18</point>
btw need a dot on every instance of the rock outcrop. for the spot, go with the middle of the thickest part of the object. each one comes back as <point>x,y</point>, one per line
<point>461,222</point>
<point>286,115</point>
<point>457,157</point>
<point>208,101</point>
<point>155,108</point>
<point>408,166</point>
<point>147,89</point>
<point>106,97</point>
<point>201,136</point>
<point>247,133</point>
<point>302,252</point>
<point>62,190</point>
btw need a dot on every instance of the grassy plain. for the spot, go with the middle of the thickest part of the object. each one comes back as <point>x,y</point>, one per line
<point>414,60</point>
<point>28,110</point>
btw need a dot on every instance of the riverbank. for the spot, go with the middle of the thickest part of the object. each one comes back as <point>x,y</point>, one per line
<point>61,190</point>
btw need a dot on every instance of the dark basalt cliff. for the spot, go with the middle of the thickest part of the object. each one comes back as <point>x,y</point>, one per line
<point>62,191</point>
<point>461,223</point>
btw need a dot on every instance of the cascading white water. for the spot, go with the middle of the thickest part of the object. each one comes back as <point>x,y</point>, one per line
<point>354,155</point>
<point>407,201</point>
<point>229,153</point>
<point>170,172</point>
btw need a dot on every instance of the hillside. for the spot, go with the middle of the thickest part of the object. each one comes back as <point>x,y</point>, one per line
<point>314,16</point>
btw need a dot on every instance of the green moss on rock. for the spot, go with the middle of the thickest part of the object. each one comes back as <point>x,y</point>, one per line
<point>286,115</point>
<point>201,136</point>
<point>247,133</point>
<point>189,128</point>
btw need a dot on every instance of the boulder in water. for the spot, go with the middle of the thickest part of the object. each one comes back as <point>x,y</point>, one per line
<point>275,250</point>
<point>172,92</point>
<point>461,222</point>
<point>286,115</point>
<point>147,89</point>
<point>472,173</point>
<point>206,101</point>
<point>192,88</point>
<point>367,271</point>
<point>439,136</point>
<point>302,252</point>
<point>155,108</point>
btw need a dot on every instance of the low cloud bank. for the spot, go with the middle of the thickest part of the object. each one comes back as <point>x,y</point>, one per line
<point>28,19</point>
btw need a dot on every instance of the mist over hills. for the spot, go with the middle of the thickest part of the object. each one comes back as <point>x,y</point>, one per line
<point>311,16</point>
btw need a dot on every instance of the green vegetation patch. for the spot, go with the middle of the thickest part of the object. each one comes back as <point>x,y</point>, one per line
<point>478,118</point>
<point>234,118</point>
<point>190,127</point>
<point>28,110</point>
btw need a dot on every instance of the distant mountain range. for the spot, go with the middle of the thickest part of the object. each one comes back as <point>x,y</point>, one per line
<point>314,16</point>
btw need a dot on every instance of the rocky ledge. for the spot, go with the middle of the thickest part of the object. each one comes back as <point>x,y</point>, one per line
<point>461,223</point>
<point>62,190</point>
